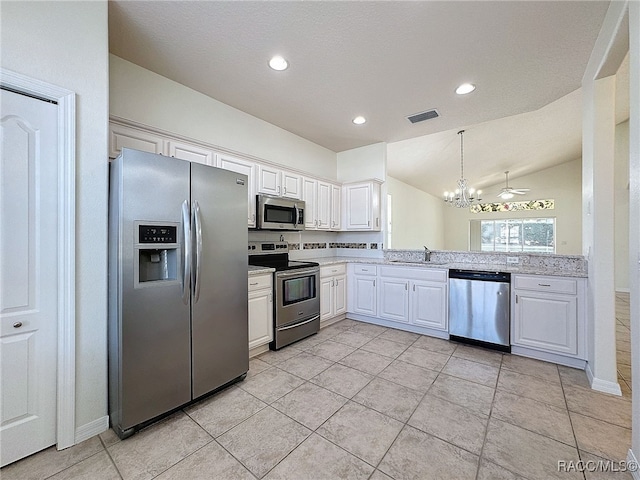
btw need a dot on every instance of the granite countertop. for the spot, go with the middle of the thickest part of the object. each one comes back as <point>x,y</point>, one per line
<point>253,270</point>
<point>552,269</point>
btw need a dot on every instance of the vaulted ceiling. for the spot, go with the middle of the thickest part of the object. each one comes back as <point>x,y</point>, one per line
<point>385,61</point>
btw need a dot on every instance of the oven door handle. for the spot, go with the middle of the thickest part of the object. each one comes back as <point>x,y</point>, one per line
<point>298,273</point>
<point>299,324</point>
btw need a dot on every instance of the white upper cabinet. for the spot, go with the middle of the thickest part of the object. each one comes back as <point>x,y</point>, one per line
<point>281,183</point>
<point>323,206</point>
<point>123,136</point>
<point>247,168</point>
<point>320,204</point>
<point>362,206</point>
<point>291,185</point>
<point>323,209</point>
<point>310,195</point>
<point>190,152</point>
<point>336,207</point>
<point>269,180</point>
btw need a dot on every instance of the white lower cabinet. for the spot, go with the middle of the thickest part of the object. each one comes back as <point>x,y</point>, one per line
<point>333,291</point>
<point>548,314</point>
<point>260,310</point>
<point>416,296</point>
<point>394,299</point>
<point>414,299</point>
<point>428,307</point>
<point>362,292</point>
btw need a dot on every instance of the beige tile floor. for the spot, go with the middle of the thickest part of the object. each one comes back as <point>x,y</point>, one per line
<point>358,401</point>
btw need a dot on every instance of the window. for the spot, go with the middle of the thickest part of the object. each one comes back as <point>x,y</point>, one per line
<point>516,235</point>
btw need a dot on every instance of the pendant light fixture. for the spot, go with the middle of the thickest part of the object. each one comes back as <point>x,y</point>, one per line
<point>463,196</point>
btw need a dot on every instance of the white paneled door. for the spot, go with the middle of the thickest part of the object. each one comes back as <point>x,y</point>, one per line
<point>28,262</point>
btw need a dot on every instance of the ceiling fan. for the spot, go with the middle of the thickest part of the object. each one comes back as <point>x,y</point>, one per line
<point>508,192</point>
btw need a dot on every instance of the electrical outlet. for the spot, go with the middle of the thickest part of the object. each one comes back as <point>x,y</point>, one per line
<point>513,260</point>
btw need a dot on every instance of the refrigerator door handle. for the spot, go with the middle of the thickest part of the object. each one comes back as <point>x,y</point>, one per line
<point>197,226</point>
<point>186,266</point>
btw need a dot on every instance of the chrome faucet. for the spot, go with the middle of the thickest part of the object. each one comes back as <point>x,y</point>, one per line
<point>427,254</point>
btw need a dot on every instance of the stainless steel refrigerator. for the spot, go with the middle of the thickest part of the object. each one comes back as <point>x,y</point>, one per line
<point>178,315</point>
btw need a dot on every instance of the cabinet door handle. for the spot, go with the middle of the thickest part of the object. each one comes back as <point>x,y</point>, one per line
<point>368,223</point>
<point>284,190</point>
<point>544,285</point>
<point>253,284</point>
<point>516,298</point>
<point>17,325</point>
<point>377,222</point>
<point>406,287</point>
<point>374,283</point>
<point>333,283</point>
<point>414,287</point>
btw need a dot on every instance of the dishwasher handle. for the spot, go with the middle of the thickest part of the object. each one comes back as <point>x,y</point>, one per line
<point>479,275</point>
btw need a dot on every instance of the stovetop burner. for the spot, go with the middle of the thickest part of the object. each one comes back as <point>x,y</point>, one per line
<point>275,255</point>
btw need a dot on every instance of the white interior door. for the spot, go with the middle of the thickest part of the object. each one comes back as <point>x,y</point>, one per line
<point>28,275</point>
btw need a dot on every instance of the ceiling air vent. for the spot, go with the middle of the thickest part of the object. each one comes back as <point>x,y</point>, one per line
<point>422,116</point>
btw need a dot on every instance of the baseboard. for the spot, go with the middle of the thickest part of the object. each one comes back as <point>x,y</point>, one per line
<point>549,357</point>
<point>432,332</point>
<point>91,429</point>
<point>604,386</point>
<point>255,351</point>
<point>332,320</point>
<point>631,459</point>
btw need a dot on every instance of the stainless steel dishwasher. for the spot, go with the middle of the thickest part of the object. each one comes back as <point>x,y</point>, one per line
<point>479,308</point>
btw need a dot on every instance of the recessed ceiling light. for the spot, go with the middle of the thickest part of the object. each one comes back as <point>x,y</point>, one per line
<point>359,120</point>
<point>465,88</point>
<point>278,63</point>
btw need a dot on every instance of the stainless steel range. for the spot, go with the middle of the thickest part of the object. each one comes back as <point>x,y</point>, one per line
<point>295,288</point>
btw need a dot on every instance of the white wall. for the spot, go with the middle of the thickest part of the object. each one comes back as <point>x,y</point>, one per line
<point>66,44</point>
<point>416,217</point>
<point>561,183</point>
<point>148,98</point>
<point>634,214</point>
<point>363,163</point>
<point>621,182</point>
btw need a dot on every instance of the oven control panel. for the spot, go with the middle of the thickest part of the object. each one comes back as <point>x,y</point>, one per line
<point>260,248</point>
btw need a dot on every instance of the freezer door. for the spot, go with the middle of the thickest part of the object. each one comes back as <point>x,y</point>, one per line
<point>220,349</point>
<point>149,330</point>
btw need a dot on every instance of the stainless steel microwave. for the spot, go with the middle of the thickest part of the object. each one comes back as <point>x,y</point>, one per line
<point>276,213</point>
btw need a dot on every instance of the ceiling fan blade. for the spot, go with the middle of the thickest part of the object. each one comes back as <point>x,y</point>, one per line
<point>520,191</point>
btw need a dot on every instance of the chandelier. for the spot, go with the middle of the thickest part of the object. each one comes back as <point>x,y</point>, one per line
<point>463,196</point>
